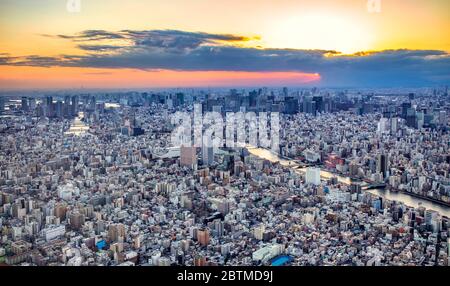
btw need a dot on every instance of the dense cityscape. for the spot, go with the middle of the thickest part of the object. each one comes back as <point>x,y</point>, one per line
<point>360,177</point>
<point>252,140</point>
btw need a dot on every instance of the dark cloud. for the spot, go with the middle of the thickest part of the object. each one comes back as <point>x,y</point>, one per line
<point>93,35</point>
<point>35,60</point>
<point>166,39</point>
<point>5,58</point>
<point>99,48</point>
<point>180,50</point>
<point>178,40</point>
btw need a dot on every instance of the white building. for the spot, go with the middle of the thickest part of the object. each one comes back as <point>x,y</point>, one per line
<point>258,232</point>
<point>311,156</point>
<point>65,192</point>
<point>383,126</point>
<point>53,232</point>
<point>268,252</point>
<point>394,125</point>
<point>313,176</point>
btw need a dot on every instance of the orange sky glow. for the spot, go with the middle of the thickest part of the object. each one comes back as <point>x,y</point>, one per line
<point>29,27</point>
<point>41,78</point>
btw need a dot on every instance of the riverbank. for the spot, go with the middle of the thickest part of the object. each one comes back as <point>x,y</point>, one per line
<point>433,200</point>
<point>405,197</point>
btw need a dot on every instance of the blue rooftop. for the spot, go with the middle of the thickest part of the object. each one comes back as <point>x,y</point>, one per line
<point>281,260</point>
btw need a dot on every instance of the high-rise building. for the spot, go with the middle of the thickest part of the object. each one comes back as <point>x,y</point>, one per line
<point>24,103</point>
<point>319,103</point>
<point>382,164</point>
<point>223,206</point>
<point>48,100</point>
<point>420,119</point>
<point>92,103</point>
<point>411,120</point>
<point>32,103</point>
<point>394,125</point>
<point>313,176</point>
<point>2,104</point>
<point>404,109</point>
<point>60,210</point>
<point>116,233</point>
<point>59,109</point>
<point>49,107</point>
<point>290,105</point>
<point>285,91</point>
<point>203,236</point>
<point>188,156</point>
<point>76,220</point>
<point>207,155</point>
<point>433,220</point>
<point>258,232</point>
<point>443,119</point>
<point>253,96</point>
<point>353,169</point>
<point>67,107</point>
<point>218,227</point>
<point>74,105</point>
<point>18,209</point>
<point>228,162</point>
<point>383,125</point>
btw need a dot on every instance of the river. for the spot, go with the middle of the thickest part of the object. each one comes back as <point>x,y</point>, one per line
<point>408,200</point>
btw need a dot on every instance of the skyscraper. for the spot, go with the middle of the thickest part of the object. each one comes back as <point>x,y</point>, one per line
<point>404,108</point>
<point>290,105</point>
<point>74,105</point>
<point>382,164</point>
<point>319,103</point>
<point>67,108</point>
<point>59,109</point>
<point>49,107</point>
<point>24,103</point>
<point>394,125</point>
<point>207,155</point>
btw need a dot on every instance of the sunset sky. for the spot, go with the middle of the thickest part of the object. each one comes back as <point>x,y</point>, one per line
<point>188,43</point>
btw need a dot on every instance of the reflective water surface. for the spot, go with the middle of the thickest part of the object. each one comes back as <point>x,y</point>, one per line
<point>392,196</point>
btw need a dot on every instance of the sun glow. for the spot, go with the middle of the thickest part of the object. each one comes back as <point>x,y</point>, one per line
<point>320,31</point>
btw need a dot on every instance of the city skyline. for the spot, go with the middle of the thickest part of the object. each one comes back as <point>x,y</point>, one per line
<point>301,177</point>
<point>147,44</point>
